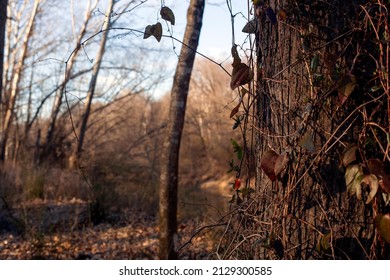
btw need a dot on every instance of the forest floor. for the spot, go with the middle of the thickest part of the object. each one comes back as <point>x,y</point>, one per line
<point>134,236</point>
<point>62,230</point>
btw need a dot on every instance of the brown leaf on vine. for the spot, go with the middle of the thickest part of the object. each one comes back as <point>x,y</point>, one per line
<point>281,163</point>
<point>148,32</point>
<point>347,85</point>
<point>154,30</point>
<point>282,15</point>
<point>235,110</point>
<point>250,27</point>
<point>241,75</point>
<point>384,183</point>
<point>349,155</point>
<point>372,181</point>
<point>330,61</point>
<point>168,15</point>
<point>267,164</point>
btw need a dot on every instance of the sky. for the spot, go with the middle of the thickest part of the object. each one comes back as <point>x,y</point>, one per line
<point>216,35</point>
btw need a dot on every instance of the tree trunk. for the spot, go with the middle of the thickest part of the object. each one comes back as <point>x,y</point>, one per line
<point>49,145</point>
<point>74,160</point>
<point>16,77</point>
<point>308,214</point>
<point>3,21</point>
<point>170,153</point>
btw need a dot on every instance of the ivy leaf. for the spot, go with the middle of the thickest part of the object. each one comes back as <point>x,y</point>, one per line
<point>353,179</point>
<point>314,63</point>
<point>323,244</point>
<point>241,75</point>
<point>386,198</point>
<point>268,162</point>
<point>372,181</point>
<point>281,163</point>
<point>330,61</point>
<point>349,155</point>
<point>237,149</point>
<point>148,31</point>
<point>157,31</point>
<point>347,84</point>
<point>235,109</point>
<point>307,143</point>
<point>236,57</point>
<point>168,15</point>
<point>250,27</point>
<point>154,30</point>
<point>382,223</point>
<point>282,15</point>
<point>271,15</point>
<point>384,182</point>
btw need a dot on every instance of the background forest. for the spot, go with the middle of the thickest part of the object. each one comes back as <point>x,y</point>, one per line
<point>284,152</point>
<point>51,83</point>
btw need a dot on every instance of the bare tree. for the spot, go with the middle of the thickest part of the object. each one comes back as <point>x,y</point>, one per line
<point>170,154</point>
<point>69,70</point>
<point>91,89</point>
<point>15,80</point>
<point>3,20</point>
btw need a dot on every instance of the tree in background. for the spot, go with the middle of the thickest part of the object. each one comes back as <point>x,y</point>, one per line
<point>170,153</point>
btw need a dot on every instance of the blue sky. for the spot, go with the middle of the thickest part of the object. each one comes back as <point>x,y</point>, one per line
<point>216,36</point>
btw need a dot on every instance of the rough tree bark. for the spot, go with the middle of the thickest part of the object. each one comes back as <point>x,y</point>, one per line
<point>170,153</point>
<point>298,106</point>
<point>74,160</point>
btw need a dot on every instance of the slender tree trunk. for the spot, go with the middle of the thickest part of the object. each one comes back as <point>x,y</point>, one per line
<point>74,160</point>
<point>16,77</point>
<point>3,21</point>
<point>170,153</point>
<point>68,72</point>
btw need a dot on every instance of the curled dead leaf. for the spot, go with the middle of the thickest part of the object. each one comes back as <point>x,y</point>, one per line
<point>167,14</point>
<point>241,75</point>
<point>267,164</point>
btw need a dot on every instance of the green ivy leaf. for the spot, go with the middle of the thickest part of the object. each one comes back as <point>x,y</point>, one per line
<point>168,15</point>
<point>382,223</point>
<point>237,149</point>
